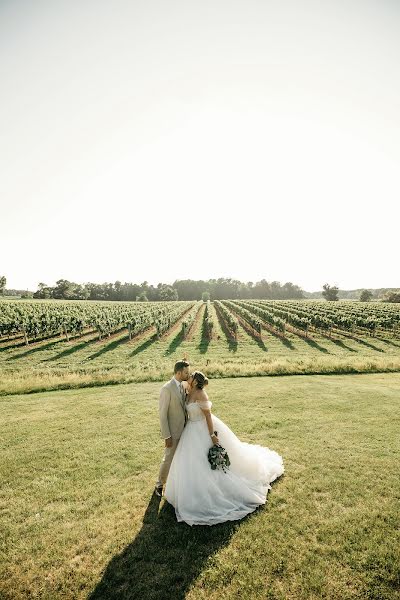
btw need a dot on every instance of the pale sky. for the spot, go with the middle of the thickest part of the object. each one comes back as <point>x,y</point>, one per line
<point>170,140</point>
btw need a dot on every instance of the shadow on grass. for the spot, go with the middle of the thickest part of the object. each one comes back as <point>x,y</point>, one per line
<point>34,345</point>
<point>253,334</point>
<point>57,338</point>
<point>12,341</point>
<point>12,346</point>
<point>72,349</point>
<point>343,345</point>
<point>368,344</point>
<point>145,345</point>
<point>4,348</point>
<point>35,349</point>
<point>284,340</point>
<point>205,341</point>
<point>316,346</point>
<point>389,342</point>
<point>175,343</point>
<point>232,345</point>
<point>259,341</point>
<point>108,347</point>
<point>164,559</point>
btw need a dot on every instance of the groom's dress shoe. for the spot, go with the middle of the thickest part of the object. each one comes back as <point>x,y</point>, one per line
<point>158,490</point>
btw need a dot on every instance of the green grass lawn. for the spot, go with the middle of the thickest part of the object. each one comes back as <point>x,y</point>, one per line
<point>79,519</point>
<point>57,364</point>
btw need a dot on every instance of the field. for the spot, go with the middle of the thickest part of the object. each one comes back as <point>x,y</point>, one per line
<point>66,351</point>
<point>79,519</point>
<point>319,384</point>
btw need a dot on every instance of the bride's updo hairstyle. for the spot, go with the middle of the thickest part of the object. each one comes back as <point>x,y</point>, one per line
<point>200,378</point>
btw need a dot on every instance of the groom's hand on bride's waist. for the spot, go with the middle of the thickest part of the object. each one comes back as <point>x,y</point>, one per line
<point>168,442</point>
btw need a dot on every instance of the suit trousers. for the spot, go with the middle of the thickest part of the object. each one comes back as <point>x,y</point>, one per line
<point>166,463</point>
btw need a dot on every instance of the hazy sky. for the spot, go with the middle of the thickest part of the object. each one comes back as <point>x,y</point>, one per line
<point>162,140</point>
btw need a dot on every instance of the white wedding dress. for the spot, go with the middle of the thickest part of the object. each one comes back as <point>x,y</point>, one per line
<point>202,496</point>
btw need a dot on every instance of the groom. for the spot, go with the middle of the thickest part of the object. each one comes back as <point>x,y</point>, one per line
<point>172,418</point>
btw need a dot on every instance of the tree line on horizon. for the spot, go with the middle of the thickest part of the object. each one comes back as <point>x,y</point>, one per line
<point>187,289</point>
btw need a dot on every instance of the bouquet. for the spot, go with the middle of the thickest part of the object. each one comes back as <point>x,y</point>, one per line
<point>218,457</point>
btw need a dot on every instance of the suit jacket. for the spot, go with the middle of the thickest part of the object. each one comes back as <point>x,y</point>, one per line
<point>172,411</point>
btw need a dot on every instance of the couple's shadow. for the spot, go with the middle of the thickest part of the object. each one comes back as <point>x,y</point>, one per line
<point>164,559</point>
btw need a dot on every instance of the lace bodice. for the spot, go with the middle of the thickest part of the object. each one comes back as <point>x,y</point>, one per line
<point>194,410</point>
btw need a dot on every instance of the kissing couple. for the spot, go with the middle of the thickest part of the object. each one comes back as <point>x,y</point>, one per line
<point>199,494</point>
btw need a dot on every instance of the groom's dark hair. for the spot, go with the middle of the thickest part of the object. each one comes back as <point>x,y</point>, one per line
<point>180,365</point>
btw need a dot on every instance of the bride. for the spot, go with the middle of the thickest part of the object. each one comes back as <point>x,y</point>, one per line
<point>202,496</point>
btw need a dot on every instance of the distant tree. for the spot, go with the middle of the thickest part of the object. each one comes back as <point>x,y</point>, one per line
<point>167,292</point>
<point>68,290</point>
<point>151,292</point>
<point>245,290</point>
<point>391,297</point>
<point>117,291</point>
<point>64,289</point>
<point>81,292</point>
<point>205,296</point>
<point>276,290</point>
<point>142,297</point>
<point>129,291</point>
<point>289,290</point>
<point>365,296</point>
<point>330,292</point>
<point>96,291</point>
<point>108,291</point>
<point>3,282</point>
<point>43,291</point>
<point>222,288</point>
<point>262,290</point>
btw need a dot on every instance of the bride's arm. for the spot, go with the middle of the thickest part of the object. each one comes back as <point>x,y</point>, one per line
<point>203,401</point>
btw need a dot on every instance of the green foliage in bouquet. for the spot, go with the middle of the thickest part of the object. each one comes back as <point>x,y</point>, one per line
<point>218,457</point>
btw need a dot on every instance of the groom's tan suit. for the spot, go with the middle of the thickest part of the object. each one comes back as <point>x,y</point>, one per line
<point>172,421</point>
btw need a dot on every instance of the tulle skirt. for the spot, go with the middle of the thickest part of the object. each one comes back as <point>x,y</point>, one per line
<point>202,496</point>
